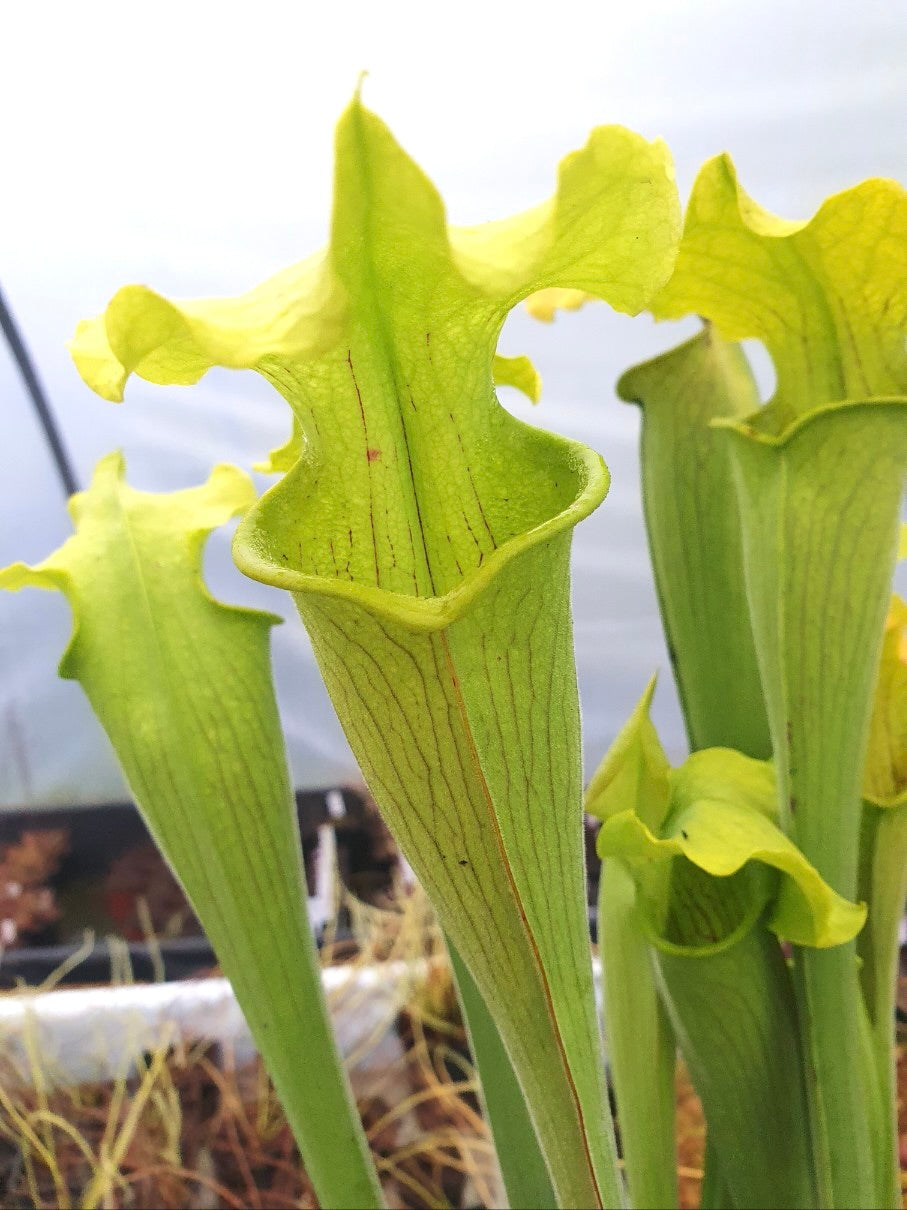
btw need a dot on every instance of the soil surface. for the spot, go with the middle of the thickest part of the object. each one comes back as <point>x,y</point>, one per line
<point>210,1134</point>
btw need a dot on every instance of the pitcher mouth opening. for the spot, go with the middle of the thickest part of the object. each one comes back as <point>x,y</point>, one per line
<point>258,553</point>
<point>768,428</point>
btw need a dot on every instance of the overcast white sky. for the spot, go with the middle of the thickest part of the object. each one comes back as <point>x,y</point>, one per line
<point>188,145</point>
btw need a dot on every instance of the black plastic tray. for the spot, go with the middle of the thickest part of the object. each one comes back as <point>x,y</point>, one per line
<point>98,835</point>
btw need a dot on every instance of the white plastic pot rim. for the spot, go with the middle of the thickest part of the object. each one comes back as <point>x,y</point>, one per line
<point>81,1035</point>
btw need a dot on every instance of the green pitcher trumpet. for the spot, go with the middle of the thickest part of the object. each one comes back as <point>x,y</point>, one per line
<point>820,476</point>
<point>772,532</point>
<point>181,684</point>
<point>714,877</point>
<point>424,534</point>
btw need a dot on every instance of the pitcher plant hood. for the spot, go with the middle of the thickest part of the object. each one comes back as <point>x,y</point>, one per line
<point>424,533</point>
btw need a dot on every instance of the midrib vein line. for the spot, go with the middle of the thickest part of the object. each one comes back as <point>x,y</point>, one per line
<point>499,840</point>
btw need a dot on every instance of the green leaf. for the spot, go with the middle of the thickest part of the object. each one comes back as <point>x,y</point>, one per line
<point>718,812</point>
<point>734,1014</point>
<point>181,684</point>
<point>517,372</point>
<point>885,774</point>
<point>635,773</point>
<point>883,863</point>
<point>818,501</point>
<point>714,1193</point>
<point>612,228</point>
<point>820,507</point>
<point>883,884</point>
<point>639,1038</point>
<point>298,312</point>
<point>883,845</point>
<point>721,838</point>
<point>640,1044</point>
<point>425,535</point>
<point>693,528</point>
<point>525,1176</point>
<point>720,820</point>
<point>284,457</point>
<point>704,877</point>
<point>484,796</point>
<point>827,297</point>
<point>819,510</point>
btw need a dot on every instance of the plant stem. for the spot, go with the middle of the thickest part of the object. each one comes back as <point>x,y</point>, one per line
<point>838,1085</point>
<point>734,1015</point>
<point>640,1043</point>
<point>523,1167</point>
<point>819,508</point>
<point>883,884</point>
<point>715,1194</point>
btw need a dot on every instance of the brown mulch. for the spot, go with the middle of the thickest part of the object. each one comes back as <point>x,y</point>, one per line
<point>690,1142</point>
<point>211,1135</point>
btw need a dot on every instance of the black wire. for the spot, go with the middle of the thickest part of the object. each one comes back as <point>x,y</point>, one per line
<point>38,398</point>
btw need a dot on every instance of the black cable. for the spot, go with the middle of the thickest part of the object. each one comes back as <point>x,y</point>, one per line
<point>38,398</point>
